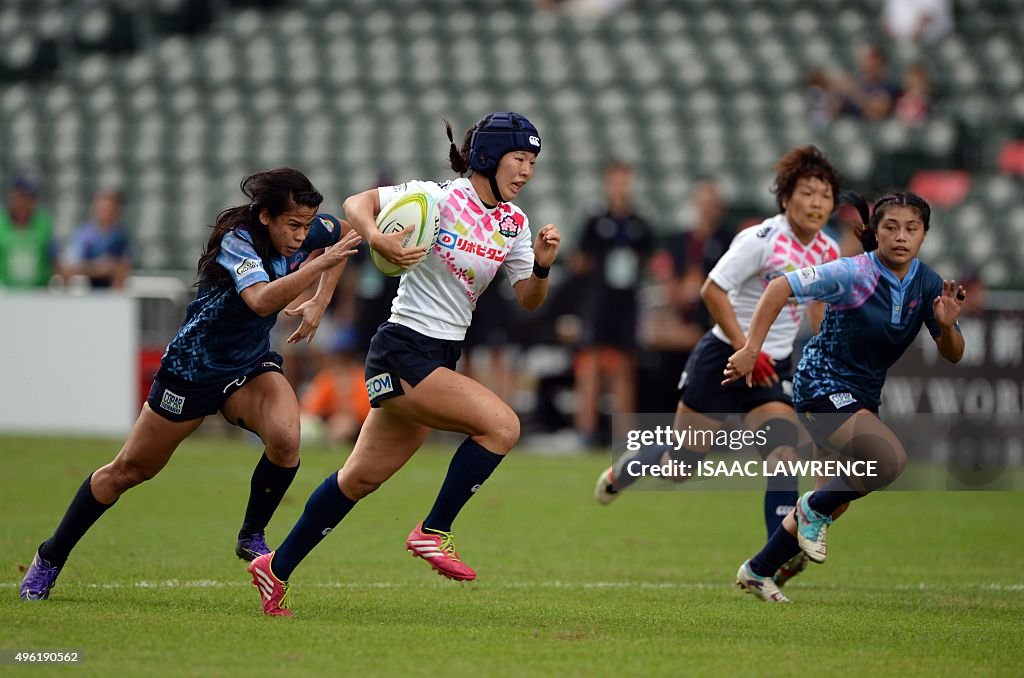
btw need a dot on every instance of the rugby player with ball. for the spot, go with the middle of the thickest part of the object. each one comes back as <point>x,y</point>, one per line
<point>410,373</point>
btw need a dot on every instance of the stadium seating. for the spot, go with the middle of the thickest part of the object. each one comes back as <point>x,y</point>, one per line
<point>177,100</point>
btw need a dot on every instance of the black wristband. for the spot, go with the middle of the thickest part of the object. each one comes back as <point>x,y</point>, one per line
<point>541,271</point>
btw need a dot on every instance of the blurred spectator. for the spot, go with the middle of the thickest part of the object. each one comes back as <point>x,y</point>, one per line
<point>696,251</point>
<point>918,20</point>
<point>99,249</point>
<point>822,101</point>
<point>335,404</point>
<point>614,244</point>
<point>28,252</point>
<point>914,105</point>
<point>870,95</point>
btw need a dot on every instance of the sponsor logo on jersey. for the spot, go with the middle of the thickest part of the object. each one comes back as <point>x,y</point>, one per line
<point>379,385</point>
<point>447,239</point>
<point>492,253</point>
<point>172,402</point>
<point>248,265</point>
<point>808,274</point>
<point>764,232</point>
<point>509,227</point>
<point>841,400</point>
<point>328,224</point>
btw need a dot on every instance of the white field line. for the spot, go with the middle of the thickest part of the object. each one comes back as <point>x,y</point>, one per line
<point>566,585</point>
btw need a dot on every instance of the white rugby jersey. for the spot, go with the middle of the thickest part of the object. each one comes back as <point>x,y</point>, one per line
<point>438,297</point>
<point>758,255</point>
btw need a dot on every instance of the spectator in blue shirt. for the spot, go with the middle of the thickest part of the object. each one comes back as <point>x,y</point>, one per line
<point>99,248</point>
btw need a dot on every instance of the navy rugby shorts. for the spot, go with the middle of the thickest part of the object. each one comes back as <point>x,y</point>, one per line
<point>823,416</point>
<point>178,399</point>
<point>700,386</point>
<point>397,352</point>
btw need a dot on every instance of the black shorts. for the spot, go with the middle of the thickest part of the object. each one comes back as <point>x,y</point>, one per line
<point>178,399</point>
<point>700,386</point>
<point>823,416</point>
<point>397,352</point>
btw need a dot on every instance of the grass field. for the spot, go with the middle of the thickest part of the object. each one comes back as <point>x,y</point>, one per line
<point>916,583</point>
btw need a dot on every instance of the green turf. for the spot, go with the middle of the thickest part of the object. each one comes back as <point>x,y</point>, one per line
<point>916,583</point>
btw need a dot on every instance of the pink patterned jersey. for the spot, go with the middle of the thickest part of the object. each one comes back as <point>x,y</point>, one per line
<point>756,256</point>
<point>438,297</point>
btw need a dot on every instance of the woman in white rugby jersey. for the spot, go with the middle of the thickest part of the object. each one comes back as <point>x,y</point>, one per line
<point>410,363</point>
<point>806,185</point>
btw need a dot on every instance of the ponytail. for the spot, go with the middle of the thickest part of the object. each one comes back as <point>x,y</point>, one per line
<point>459,158</point>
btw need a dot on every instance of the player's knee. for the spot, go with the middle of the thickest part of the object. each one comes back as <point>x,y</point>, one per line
<point>355,486</point>
<point>282,446</point>
<point>782,454</point>
<point>127,473</point>
<point>889,466</point>
<point>779,438</point>
<point>503,433</point>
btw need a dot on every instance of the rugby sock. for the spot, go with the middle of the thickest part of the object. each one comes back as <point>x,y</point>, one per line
<point>835,493</point>
<point>324,510</point>
<point>266,489</point>
<point>779,499</point>
<point>781,546</point>
<point>471,465</point>
<point>649,456</point>
<point>80,516</point>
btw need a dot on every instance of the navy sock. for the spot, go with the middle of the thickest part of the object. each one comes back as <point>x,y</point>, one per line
<point>835,493</point>
<point>80,516</point>
<point>266,489</point>
<point>779,499</point>
<point>649,456</point>
<point>324,510</point>
<point>781,546</point>
<point>469,468</point>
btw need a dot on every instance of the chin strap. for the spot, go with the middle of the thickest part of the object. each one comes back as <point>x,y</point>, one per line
<point>494,189</point>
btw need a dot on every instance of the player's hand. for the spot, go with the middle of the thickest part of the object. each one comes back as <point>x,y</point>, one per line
<point>390,247</point>
<point>341,250</point>
<point>545,247</point>
<point>763,374</point>
<point>311,312</point>
<point>946,307</point>
<point>741,364</point>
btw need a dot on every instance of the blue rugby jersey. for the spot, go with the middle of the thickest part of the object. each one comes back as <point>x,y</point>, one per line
<point>222,337</point>
<point>870,320</point>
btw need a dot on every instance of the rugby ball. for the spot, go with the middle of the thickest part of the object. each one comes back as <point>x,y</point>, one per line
<point>415,208</point>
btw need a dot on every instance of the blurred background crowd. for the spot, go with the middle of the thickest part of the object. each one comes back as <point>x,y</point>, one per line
<point>126,125</point>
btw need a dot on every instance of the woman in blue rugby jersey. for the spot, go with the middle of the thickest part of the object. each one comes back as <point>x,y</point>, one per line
<point>260,257</point>
<point>876,304</point>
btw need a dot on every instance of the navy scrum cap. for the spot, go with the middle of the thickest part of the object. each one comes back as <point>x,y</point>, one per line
<point>498,134</point>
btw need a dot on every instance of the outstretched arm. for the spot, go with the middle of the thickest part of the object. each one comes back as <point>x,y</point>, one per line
<point>267,298</point>
<point>742,362</point>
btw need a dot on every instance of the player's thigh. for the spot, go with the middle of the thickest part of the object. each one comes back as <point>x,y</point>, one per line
<point>449,401</point>
<point>386,442</point>
<point>864,436</point>
<point>689,418</point>
<point>267,406</point>
<point>148,448</point>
